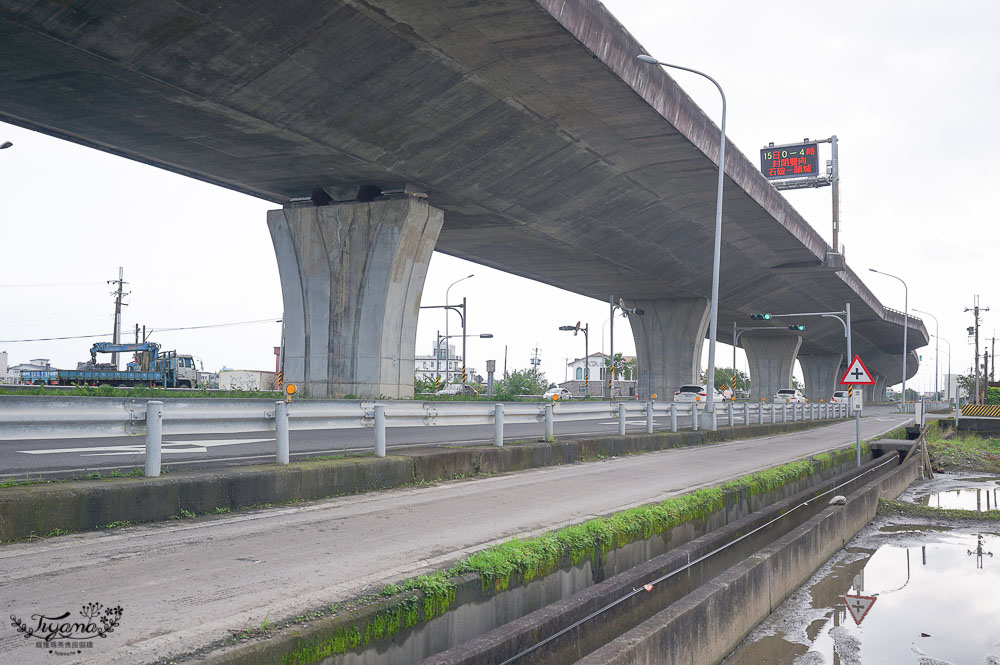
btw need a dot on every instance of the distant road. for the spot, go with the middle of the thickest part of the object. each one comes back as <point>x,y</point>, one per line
<point>202,451</point>
<point>69,457</point>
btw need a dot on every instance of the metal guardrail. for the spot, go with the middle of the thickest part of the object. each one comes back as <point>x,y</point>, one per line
<point>911,407</point>
<point>37,417</point>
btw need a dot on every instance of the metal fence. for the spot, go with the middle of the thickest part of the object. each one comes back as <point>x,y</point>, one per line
<point>36,417</point>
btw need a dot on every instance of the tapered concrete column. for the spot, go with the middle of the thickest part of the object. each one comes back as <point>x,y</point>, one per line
<point>820,374</point>
<point>771,360</point>
<point>668,341</point>
<point>869,394</point>
<point>879,388</point>
<point>351,280</point>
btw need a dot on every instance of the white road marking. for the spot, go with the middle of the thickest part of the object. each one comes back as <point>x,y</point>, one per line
<point>137,448</point>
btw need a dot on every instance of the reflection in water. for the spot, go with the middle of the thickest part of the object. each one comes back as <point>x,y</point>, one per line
<point>971,498</point>
<point>936,602</point>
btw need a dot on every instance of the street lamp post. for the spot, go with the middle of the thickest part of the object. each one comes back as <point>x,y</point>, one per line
<point>625,310</point>
<point>447,316</point>
<point>445,338</point>
<point>906,324</point>
<point>586,352</point>
<point>948,382</point>
<point>937,347</point>
<point>714,316</point>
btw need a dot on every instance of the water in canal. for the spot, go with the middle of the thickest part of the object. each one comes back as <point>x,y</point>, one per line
<point>927,594</point>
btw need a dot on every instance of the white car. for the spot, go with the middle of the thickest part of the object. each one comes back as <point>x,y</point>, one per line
<point>840,397</point>
<point>557,393</point>
<point>457,389</point>
<point>789,396</point>
<point>694,393</point>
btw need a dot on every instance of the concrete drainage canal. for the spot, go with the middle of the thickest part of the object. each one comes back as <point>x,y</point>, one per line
<point>917,585</point>
<point>684,581</point>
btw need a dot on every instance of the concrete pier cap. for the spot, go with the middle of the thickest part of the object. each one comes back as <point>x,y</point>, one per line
<point>668,341</point>
<point>771,358</point>
<point>352,274</point>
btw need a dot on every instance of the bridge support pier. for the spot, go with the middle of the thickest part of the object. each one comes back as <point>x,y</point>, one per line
<point>820,374</point>
<point>771,360</point>
<point>879,388</point>
<point>668,341</point>
<point>351,279</point>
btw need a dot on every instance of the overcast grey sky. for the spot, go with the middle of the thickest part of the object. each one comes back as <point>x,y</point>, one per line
<point>909,89</point>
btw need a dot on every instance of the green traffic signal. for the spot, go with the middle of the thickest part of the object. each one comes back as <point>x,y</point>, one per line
<point>796,327</point>
<point>760,317</point>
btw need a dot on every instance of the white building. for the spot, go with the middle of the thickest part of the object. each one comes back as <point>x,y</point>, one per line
<point>426,368</point>
<point>625,385</point>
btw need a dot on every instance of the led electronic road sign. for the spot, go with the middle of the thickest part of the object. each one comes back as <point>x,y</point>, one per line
<point>790,161</point>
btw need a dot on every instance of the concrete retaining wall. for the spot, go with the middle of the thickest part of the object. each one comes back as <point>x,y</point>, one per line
<point>83,505</point>
<point>706,625</point>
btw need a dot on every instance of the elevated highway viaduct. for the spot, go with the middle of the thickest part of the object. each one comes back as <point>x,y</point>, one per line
<point>522,135</point>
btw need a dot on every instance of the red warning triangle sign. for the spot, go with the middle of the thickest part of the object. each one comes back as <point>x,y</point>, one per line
<point>857,374</point>
<point>858,606</point>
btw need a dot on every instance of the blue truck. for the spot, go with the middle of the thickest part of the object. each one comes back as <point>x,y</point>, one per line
<point>149,367</point>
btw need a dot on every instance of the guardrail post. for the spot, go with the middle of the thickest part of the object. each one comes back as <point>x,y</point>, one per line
<point>281,431</point>
<point>498,425</point>
<point>694,417</point>
<point>746,413</point>
<point>379,430</point>
<point>550,434</point>
<point>673,416</point>
<point>649,417</point>
<point>760,413</point>
<point>154,437</point>
<point>731,408</point>
<point>621,418</point>
<point>774,414</point>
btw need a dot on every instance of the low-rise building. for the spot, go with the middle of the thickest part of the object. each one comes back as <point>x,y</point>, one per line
<point>625,385</point>
<point>447,363</point>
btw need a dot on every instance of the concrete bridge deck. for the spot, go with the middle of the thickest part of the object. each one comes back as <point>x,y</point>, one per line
<point>551,151</point>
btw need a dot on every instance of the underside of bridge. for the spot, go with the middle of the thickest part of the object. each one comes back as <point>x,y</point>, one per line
<point>521,135</point>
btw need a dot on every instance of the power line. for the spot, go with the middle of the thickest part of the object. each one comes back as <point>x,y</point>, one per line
<point>213,325</point>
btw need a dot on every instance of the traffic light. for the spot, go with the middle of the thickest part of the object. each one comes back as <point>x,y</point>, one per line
<point>797,327</point>
<point>972,330</point>
<point>760,317</point>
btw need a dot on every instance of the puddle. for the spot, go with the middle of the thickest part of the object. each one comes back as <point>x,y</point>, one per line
<point>935,603</point>
<point>967,498</point>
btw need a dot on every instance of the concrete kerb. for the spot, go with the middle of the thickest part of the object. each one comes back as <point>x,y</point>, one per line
<point>81,505</point>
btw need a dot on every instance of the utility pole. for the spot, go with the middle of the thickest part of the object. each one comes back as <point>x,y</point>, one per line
<point>536,360</point>
<point>116,334</point>
<point>976,309</point>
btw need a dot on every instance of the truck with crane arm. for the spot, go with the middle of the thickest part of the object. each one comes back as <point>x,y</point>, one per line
<point>149,367</point>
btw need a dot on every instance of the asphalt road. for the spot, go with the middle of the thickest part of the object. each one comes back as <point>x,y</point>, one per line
<point>67,457</point>
<point>80,456</point>
<point>185,584</point>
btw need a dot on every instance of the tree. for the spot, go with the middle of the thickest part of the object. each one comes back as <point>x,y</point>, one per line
<point>625,370</point>
<point>521,382</point>
<point>912,395</point>
<point>724,376</point>
<point>967,384</point>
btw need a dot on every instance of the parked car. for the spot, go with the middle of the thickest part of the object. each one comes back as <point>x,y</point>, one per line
<point>789,396</point>
<point>557,393</point>
<point>457,389</point>
<point>840,397</point>
<point>695,393</point>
